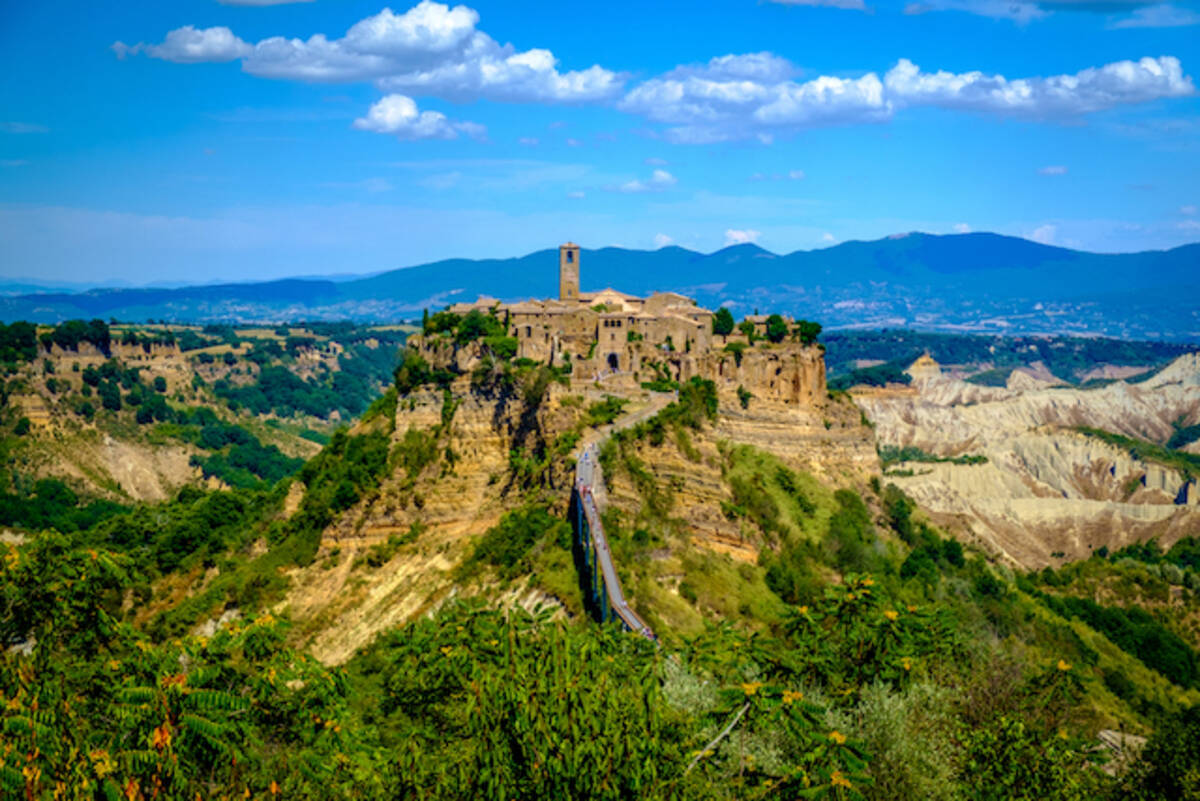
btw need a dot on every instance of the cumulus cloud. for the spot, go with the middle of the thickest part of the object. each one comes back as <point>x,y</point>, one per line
<point>662,240</point>
<point>399,116</point>
<point>1088,90</point>
<point>430,49</point>
<point>962,228</point>
<point>736,97</point>
<point>1053,169</point>
<point>1044,234</point>
<point>191,45</point>
<point>658,181</point>
<point>742,97</point>
<point>734,236</point>
<point>828,238</point>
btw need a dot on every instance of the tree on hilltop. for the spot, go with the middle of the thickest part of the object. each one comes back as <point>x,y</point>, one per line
<point>722,322</point>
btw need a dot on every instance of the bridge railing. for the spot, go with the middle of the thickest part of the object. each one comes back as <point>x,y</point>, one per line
<point>586,473</point>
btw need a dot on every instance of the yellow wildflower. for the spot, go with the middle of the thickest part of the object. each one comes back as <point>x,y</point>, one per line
<point>804,610</point>
<point>868,582</point>
<point>447,650</point>
<point>750,688</point>
<point>1062,734</point>
<point>114,664</point>
<point>131,789</point>
<point>849,596</point>
<point>274,788</point>
<point>838,780</point>
<point>837,737</point>
<point>891,614</point>
<point>906,663</point>
<point>912,608</point>
<point>790,696</point>
<point>1063,665</point>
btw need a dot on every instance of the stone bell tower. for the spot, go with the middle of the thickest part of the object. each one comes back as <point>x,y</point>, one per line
<point>568,271</point>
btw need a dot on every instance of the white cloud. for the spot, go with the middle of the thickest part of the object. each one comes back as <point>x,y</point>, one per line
<point>191,45</point>
<point>734,236</point>
<point>1162,15</point>
<point>658,181</point>
<point>828,238</point>
<point>656,162</point>
<point>1188,210</point>
<point>738,97</point>
<point>962,228</point>
<point>399,116</point>
<point>1044,234</point>
<point>572,142</point>
<point>662,240</point>
<point>1053,169</point>
<point>431,49</point>
<point>1088,90</point>
<point>754,96</point>
<point>796,175</point>
<point>1189,225</point>
<point>529,141</point>
<point>22,128</point>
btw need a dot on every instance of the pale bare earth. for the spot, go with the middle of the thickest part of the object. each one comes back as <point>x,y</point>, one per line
<point>1047,493</point>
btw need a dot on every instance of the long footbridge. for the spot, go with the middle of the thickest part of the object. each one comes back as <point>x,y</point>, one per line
<point>601,581</point>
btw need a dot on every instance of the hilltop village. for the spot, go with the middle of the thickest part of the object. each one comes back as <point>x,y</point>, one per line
<point>623,341</point>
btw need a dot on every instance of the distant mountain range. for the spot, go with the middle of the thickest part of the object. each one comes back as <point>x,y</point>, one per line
<point>961,282</point>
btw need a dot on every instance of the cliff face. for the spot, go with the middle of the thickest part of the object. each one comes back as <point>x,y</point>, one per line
<point>420,525</point>
<point>1047,493</point>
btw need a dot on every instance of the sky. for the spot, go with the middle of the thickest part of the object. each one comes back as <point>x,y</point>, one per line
<point>229,140</point>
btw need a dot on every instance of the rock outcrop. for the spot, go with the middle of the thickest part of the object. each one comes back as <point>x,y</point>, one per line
<point>1047,492</point>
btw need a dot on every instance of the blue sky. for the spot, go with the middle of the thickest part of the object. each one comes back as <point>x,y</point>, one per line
<point>200,141</point>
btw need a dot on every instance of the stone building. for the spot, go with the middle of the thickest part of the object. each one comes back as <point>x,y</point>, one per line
<point>624,339</point>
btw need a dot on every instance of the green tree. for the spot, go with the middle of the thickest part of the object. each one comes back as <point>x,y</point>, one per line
<point>776,328</point>
<point>806,331</point>
<point>722,322</point>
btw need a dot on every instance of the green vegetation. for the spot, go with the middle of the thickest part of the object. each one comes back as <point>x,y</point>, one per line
<point>1186,463</point>
<point>71,334</point>
<point>893,454</point>
<point>776,328</point>
<point>507,545</point>
<point>1066,357</point>
<point>18,342</point>
<point>878,376</point>
<point>722,323</point>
